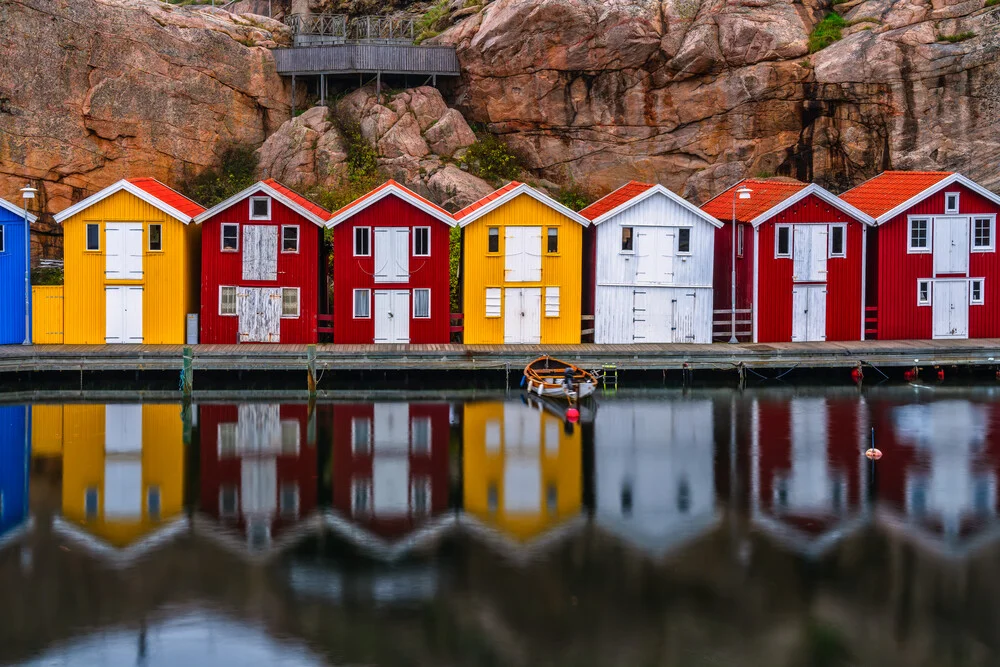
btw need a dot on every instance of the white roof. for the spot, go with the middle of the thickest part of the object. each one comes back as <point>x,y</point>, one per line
<point>822,193</point>
<point>118,187</point>
<point>522,189</point>
<point>383,191</point>
<point>260,186</point>
<point>649,192</point>
<point>19,212</point>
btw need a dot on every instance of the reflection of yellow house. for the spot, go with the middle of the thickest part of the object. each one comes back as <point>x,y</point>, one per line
<point>522,472</point>
<point>46,429</point>
<point>123,469</point>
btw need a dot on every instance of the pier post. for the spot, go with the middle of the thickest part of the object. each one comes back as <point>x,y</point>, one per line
<point>187,373</point>
<point>311,362</point>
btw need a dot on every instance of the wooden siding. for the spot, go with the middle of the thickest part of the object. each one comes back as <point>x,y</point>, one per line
<point>355,58</point>
<point>12,305</point>
<point>682,314</point>
<point>169,281</point>
<point>722,281</point>
<point>47,307</point>
<point>46,429</point>
<point>482,270</point>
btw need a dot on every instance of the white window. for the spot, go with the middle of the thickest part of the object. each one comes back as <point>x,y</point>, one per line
<point>420,496</point>
<point>421,241</point>
<point>628,239</point>
<point>229,501</point>
<point>838,240</point>
<point>288,500</point>
<point>361,496</point>
<point>920,235</point>
<point>155,238</point>
<point>492,302</point>
<point>783,241</point>
<point>291,436</point>
<point>982,234</point>
<point>227,300</point>
<point>290,238</point>
<point>230,237</point>
<point>951,202</point>
<point>976,297</point>
<point>551,302</point>
<point>362,241</point>
<point>93,236</point>
<point>290,302</point>
<point>260,208</point>
<point>923,292</point>
<point>362,304</point>
<point>493,240</point>
<point>420,435</point>
<point>421,304</point>
<point>361,435</point>
<point>684,241</point>
<point>153,503</point>
<point>552,240</point>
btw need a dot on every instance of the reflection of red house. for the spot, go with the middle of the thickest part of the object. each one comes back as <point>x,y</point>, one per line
<point>390,470</point>
<point>941,489</point>
<point>258,469</point>
<point>808,474</point>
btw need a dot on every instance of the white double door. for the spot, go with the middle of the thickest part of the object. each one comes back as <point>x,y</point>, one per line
<point>950,305</point>
<point>810,252</point>
<point>522,317</point>
<point>951,246</point>
<point>808,313</point>
<point>123,488</point>
<point>392,316</point>
<point>123,314</point>
<point>663,315</point>
<point>123,261</point>
<point>258,310</point>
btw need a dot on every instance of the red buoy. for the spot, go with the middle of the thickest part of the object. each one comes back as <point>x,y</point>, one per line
<point>874,454</point>
<point>572,415</point>
<point>857,375</point>
<point>940,374</point>
<point>910,375</point>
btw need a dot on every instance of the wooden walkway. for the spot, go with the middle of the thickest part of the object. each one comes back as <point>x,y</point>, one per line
<point>719,356</point>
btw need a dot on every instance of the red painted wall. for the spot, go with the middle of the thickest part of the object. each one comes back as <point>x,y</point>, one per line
<point>347,466</point>
<point>350,273</point>
<point>722,280</point>
<point>302,270</point>
<point>899,316</point>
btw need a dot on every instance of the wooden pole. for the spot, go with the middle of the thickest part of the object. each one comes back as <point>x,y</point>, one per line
<point>187,374</point>
<point>311,362</point>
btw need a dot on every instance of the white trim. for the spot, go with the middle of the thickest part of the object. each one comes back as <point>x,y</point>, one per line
<point>250,213</point>
<point>86,237</point>
<point>992,218</point>
<point>864,279</point>
<point>222,237</point>
<point>354,242</point>
<point>958,203</point>
<point>756,269</point>
<point>260,186</point>
<point>821,193</point>
<point>3,245</point>
<point>522,189</point>
<point>940,185</point>
<point>235,292</point>
<point>118,187</point>
<point>982,292</point>
<point>622,251</point>
<point>19,212</point>
<point>488,251</point>
<point>392,188</point>
<point>354,304</point>
<point>298,303</point>
<point>414,248</point>
<point>298,240</point>
<point>414,299</point>
<point>777,239</point>
<point>149,241</point>
<point>910,250</point>
<point>656,189</point>
<point>688,252</point>
<point>545,250</point>
<point>843,251</point>
<point>930,292</point>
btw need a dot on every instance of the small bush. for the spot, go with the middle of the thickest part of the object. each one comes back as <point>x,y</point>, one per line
<point>236,172</point>
<point>432,22</point>
<point>992,3</point>
<point>491,159</point>
<point>455,261</point>
<point>363,171</point>
<point>826,32</point>
<point>957,37</point>
<point>573,198</point>
<point>47,275</point>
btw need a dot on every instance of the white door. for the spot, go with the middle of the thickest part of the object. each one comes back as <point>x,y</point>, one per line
<point>258,310</point>
<point>665,247</point>
<point>122,428</point>
<point>951,308</point>
<point>640,316</point>
<point>809,249</point>
<point>392,254</point>
<point>808,312</point>
<point>258,428</point>
<point>523,254</point>
<point>260,252</point>
<point>123,314</point>
<point>951,245</point>
<point>392,316</point>
<point>391,462</point>
<point>122,462</point>
<point>123,250</point>
<point>523,315</point>
<point>654,255</point>
<point>682,314</point>
<point>259,486</point>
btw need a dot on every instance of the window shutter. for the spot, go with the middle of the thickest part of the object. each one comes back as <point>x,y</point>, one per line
<point>551,302</point>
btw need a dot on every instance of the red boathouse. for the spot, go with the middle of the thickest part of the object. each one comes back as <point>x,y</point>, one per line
<point>263,267</point>
<point>392,275</point>
<point>800,263</point>
<point>934,268</point>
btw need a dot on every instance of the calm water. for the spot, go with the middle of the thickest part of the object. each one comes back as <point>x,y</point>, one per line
<point>705,528</point>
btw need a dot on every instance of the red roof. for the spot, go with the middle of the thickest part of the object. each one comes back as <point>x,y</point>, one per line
<point>168,196</point>
<point>487,199</point>
<point>387,184</point>
<point>611,201</point>
<point>316,210</point>
<point>766,194</point>
<point>889,189</point>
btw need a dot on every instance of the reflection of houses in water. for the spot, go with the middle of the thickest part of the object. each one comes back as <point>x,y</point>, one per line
<point>123,476</point>
<point>941,486</point>
<point>258,473</point>
<point>809,476</point>
<point>389,586</point>
<point>390,475</point>
<point>522,473</point>
<point>13,471</point>
<point>654,471</point>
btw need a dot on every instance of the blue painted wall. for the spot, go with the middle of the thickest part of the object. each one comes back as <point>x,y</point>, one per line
<point>14,459</point>
<point>12,278</point>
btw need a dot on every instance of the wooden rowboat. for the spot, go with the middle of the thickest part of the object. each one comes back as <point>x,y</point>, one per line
<point>547,376</point>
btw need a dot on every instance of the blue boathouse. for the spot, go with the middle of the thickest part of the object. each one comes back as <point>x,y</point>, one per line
<point>14,303</point>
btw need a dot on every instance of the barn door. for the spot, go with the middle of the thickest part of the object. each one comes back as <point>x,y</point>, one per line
<point>665,251</point>
<point>392,316</point>
<point>808,313</point>
<point>523,315</point>
<point>392,254</point>
<point>401,254</point>
<point>383,255</point>
<point>951,245</point>
<point>640,316</point>
<point>123,250</point>
<point>260,252</point>
<point>951,308</point>
<point>258,310</point>
<point>645,255</point>
<point>523,254</point>
<point>123,314</point>
<point>809,249</point>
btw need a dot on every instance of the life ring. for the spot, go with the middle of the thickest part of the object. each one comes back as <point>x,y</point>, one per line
<point>873,454</point>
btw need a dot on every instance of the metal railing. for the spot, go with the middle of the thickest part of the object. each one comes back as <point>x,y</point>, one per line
<point>334,27</point>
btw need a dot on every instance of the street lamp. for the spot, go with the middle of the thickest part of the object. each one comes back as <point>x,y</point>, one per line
<point>741,193</point>
<point>27,193</point>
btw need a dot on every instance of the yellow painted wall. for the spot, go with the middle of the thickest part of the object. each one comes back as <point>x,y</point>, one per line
<point>481,270</point>
<point>83,467</point>
<point>170,277</point>
<point>483,468</point>
<point>47,314</point>
<point>46,429</point>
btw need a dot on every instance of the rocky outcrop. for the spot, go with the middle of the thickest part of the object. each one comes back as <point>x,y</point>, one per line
<point>418,139</point>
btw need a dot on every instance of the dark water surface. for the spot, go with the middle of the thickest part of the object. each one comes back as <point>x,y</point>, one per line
<point>687,529</point>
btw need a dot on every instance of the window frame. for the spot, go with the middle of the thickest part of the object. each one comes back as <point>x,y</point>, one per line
<point>3,238</point>
<point>982,292</point>
<point>631,240</point>
<point>949,210</point>
<point>777,242</point>
<point>414,314</point>
<point>486,300</point>
<point>550,234</point>
<point>368,236</point>
<point>235,293</point>
<point>842,226</point>
<point>354,302</point>
<point>930,292</point>
<point>86,240</point>
<point>366,447</point>
<point>415,235</point>
<point>684,253</point>
<point>489,236</point>
<point>991,220</point>
<point>149,240</point>
<point>740,249</point>
<point>924,250</point>
<point>222,237</point>
<point>298,303</point>
<point>253,200</point>
<point>298,240</point>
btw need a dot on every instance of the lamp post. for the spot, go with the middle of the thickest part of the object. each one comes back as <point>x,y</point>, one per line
<point>27,193</point>
<point>741,193</point>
